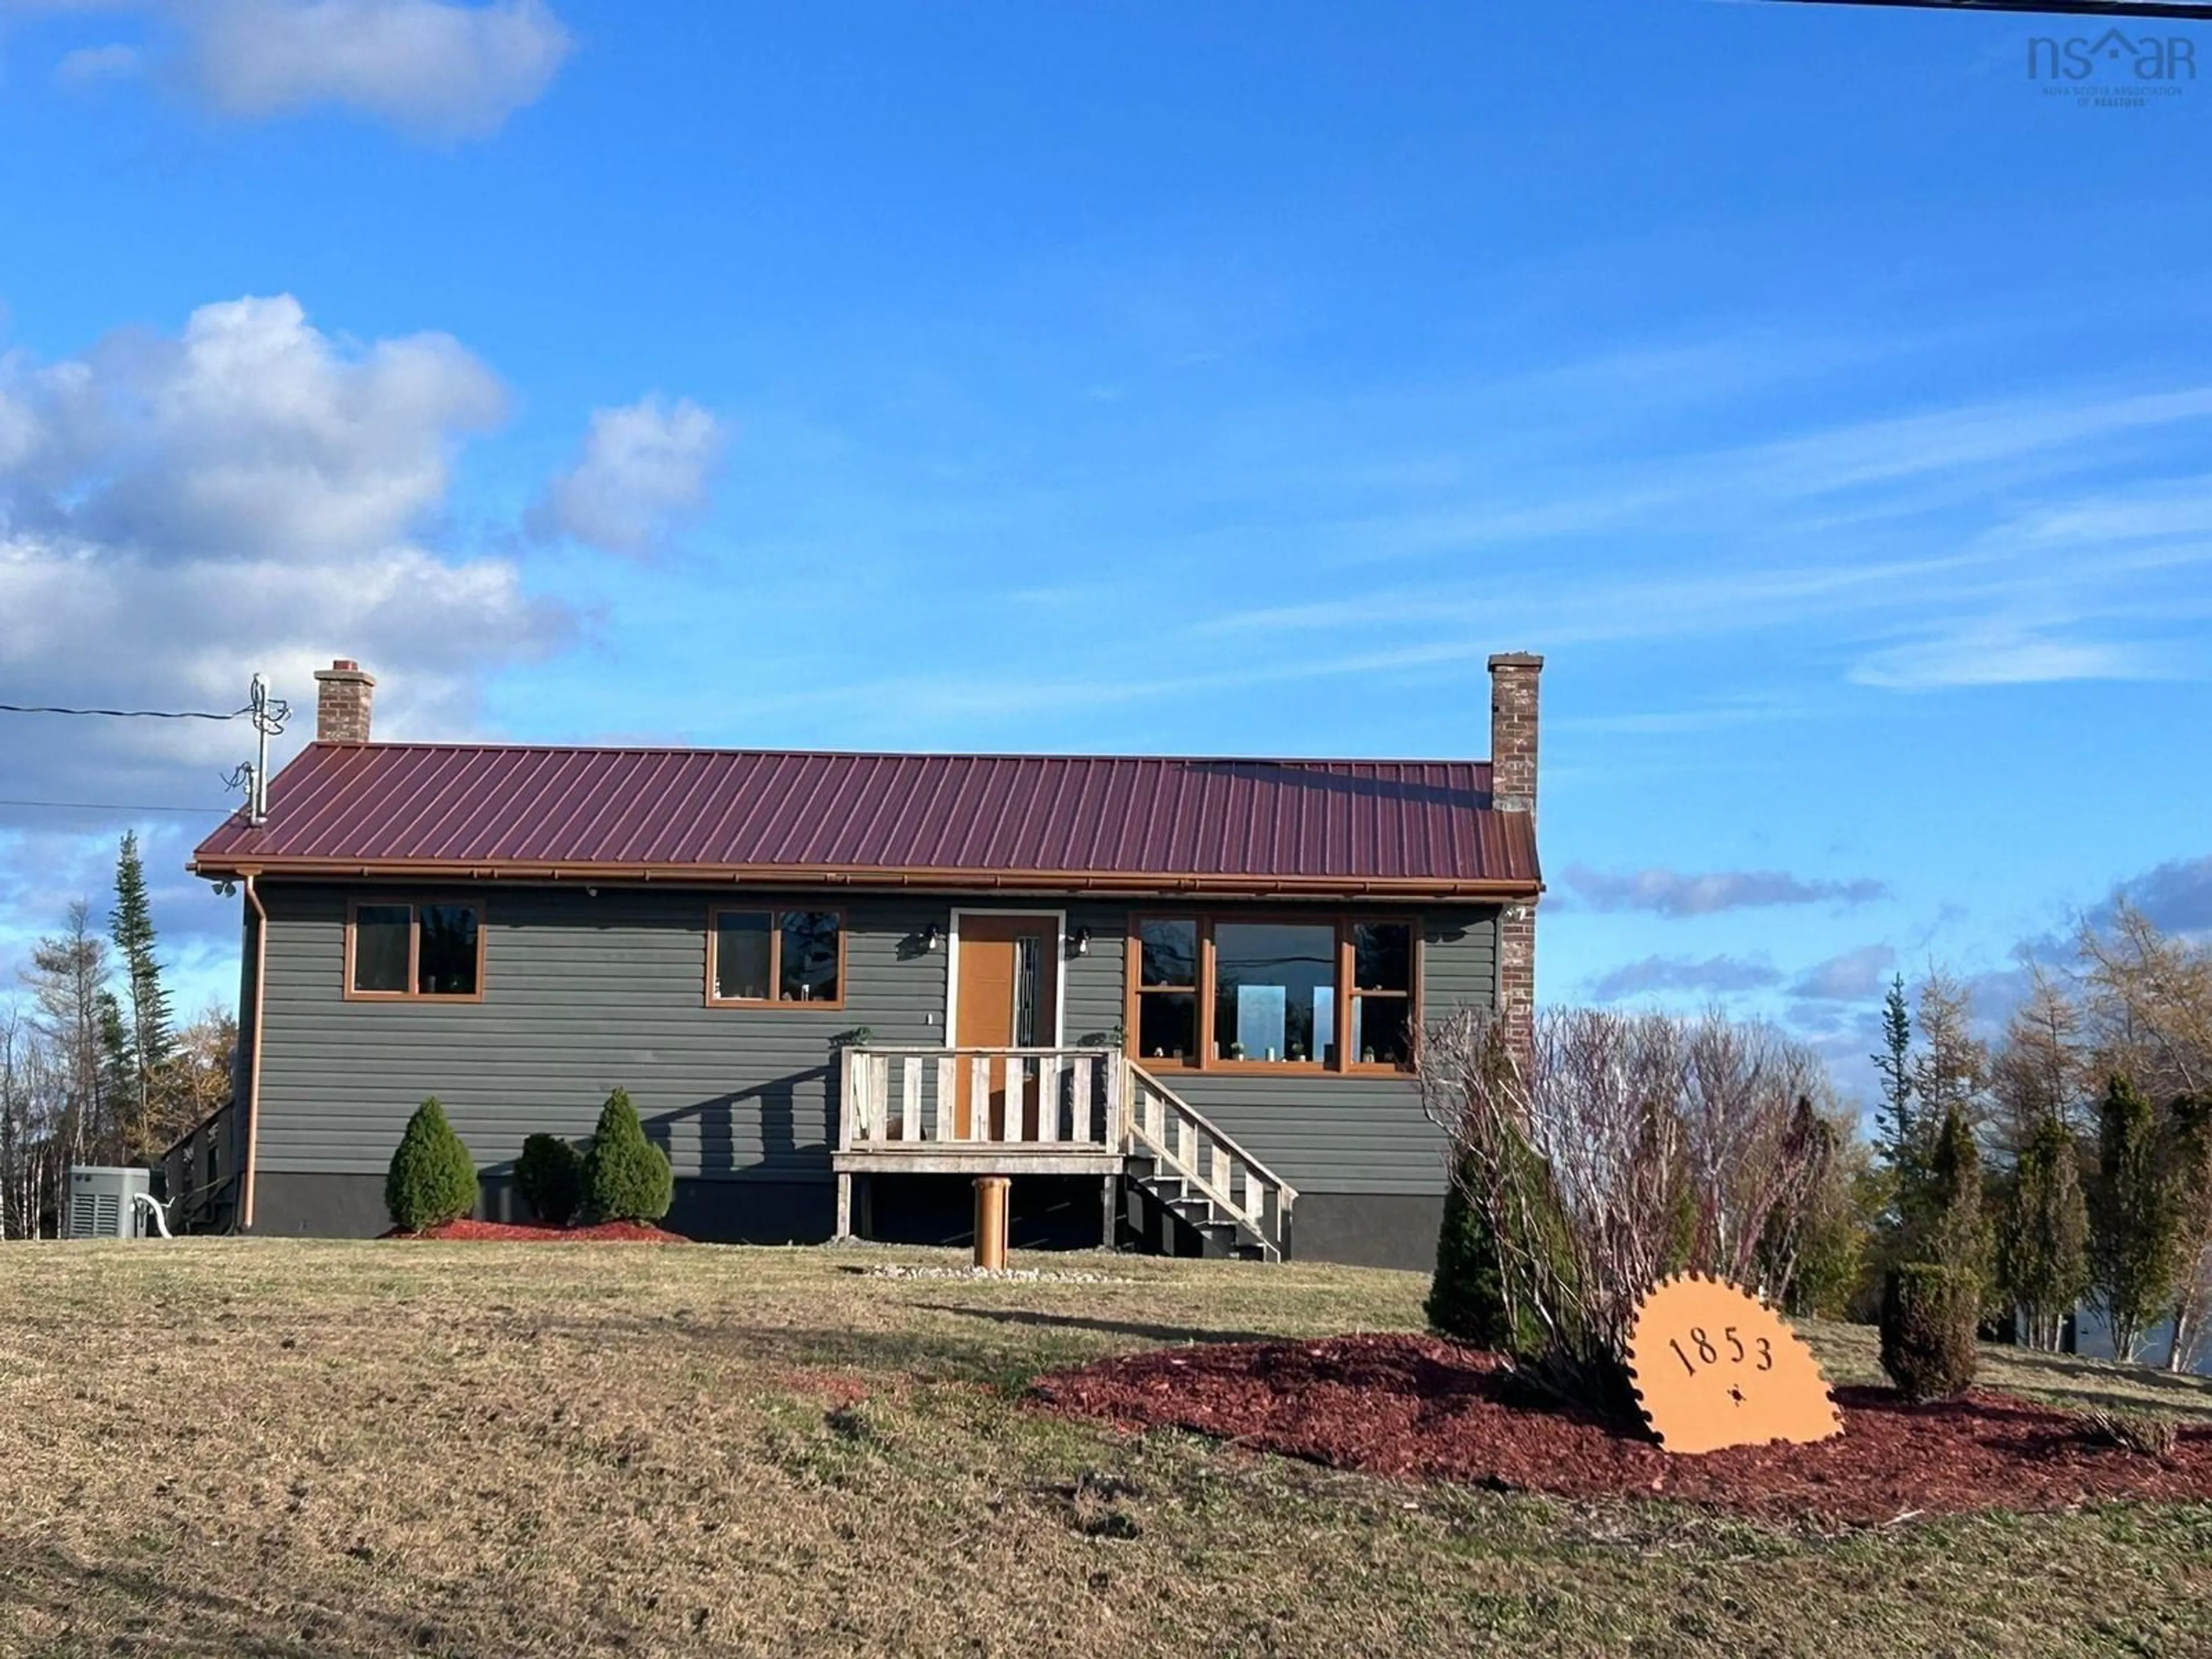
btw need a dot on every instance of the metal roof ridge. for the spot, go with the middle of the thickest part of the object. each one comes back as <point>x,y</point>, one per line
<point>907,754</point>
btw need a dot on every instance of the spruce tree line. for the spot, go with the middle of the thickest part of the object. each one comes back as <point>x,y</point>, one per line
<point>2045,1175</point>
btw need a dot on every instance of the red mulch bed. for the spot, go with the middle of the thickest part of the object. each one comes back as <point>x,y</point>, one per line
<point>1413,1407</point>
<point>509,1232</point>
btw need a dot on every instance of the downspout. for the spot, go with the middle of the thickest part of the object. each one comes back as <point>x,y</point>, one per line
<point>253,1060</point>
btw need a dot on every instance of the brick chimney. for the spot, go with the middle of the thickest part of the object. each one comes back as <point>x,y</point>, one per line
<point>1513,677</point>
<point>342,696</point>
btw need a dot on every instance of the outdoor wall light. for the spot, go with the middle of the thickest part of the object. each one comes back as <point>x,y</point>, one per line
<point>1083,941</point>
<point>929,936</point>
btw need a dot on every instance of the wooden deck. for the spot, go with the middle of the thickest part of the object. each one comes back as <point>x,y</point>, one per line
<point>1050,1112</point>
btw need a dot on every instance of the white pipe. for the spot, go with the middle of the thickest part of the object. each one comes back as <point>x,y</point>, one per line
<point>161,1216</point>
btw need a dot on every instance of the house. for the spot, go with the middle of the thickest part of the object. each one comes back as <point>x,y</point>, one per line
<point>1178,999</point>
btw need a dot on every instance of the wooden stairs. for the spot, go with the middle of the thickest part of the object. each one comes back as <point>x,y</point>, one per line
<point>1190,1173</point>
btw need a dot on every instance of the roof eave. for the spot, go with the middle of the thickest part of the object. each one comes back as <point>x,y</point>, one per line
<point>875,878</point>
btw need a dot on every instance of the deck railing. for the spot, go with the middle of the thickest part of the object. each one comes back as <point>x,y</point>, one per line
<point>1165,1127</point>
<point>1047,1099</point>
<point>1069,1110</point>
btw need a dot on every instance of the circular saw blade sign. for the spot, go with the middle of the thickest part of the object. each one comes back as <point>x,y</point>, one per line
<point>1715,1366</point>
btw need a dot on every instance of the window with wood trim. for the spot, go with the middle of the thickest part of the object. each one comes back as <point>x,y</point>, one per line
<point>414,951</point>
<point>1277,994</point>
<point>1166,1026</point>
<point>759,958</point>
<point>1384,1019</point>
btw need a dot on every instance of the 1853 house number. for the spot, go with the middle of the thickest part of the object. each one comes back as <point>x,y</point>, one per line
<point>1709,1355</point>
<point>1714,1366</point>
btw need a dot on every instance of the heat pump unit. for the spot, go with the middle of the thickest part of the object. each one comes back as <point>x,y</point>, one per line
<point>100,1202</point>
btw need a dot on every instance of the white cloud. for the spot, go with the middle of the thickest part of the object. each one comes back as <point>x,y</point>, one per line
<point>436,69</point>
<point>1996,653</point>
<point>2176,895</point>
<point>250,434</point>
<point>1711,977</point>
<point>1675,893</point>
<point>643,466</point>
<point>175,514</point>
<point>89,65</point>
<point>1857,975</point>
<point>1997,542</point>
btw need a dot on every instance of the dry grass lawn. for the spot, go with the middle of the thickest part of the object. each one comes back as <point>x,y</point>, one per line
<point>264,1448</point>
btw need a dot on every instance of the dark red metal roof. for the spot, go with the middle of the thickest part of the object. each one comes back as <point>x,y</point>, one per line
<point>1089,820</point>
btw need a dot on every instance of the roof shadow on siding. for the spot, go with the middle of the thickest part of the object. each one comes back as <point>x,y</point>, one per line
<point>765,1115</point>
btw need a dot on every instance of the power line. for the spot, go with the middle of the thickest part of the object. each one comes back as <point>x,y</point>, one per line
<point>116,806</point>
<point>129,713</point>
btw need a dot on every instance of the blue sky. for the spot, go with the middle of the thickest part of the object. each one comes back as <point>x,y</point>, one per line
<point>1830,404</point>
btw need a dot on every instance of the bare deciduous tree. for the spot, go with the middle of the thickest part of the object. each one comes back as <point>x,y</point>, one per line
<point>1952,1069</point>
<point>30,1114</point>
<point>1612,1150</point>
<point>2149,997</point>
<point>2039,1073</point>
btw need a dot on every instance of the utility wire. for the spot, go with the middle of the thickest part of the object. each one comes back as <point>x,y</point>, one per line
<point>116,806</point>
<point>130,713</point>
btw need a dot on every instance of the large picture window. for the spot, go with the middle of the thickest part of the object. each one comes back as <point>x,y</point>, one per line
<point>761,956</point>
<point>1274,992</point>
<point>1237,993</point>
<point>414,950</point>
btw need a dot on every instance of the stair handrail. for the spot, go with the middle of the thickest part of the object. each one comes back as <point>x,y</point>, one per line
<point>1257,1173</point>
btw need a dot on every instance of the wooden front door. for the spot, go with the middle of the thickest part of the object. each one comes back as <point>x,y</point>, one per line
<point>1006,997</point>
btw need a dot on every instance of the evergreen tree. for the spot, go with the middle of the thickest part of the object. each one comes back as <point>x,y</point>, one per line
<point>1954,1232</point>
<point>2043,1243</point>
<point>432,1179</point>
<point>1928,1313</point>
<point>130,926</point>
<point>550,1173</point>
<point>2135,1225</point>
<point>118,1068</point>
<point>626,1177</point>
<point>1894,1134</point>
<point>2189,1164</point>
<point>1467,1297</point>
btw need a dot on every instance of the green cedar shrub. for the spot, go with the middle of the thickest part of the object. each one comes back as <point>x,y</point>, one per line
<point>2043,1245</point>
<point>1928,1312</point>
<point>626,1177</point>
<point>2135,1217</point>
<point>1467,1297</point>
<point>432,1179</point>
<point>550,1173</point>
<point>1956,1230</point>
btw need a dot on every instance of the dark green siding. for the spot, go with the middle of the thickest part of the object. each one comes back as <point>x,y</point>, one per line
<point>583,994</point>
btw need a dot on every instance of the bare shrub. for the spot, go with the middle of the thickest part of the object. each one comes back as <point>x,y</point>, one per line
<point>2148,1433</point>
<point>1612,1150</point>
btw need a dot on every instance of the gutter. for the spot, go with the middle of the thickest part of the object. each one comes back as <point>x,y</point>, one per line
<point>246,1164</point>
<point>885,878</point>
